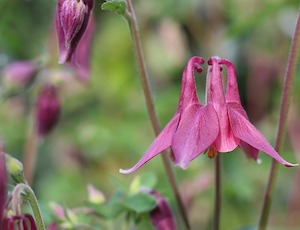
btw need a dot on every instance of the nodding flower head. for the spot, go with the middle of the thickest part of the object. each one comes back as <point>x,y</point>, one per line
<point>72,17</point>
<point>26,221</point>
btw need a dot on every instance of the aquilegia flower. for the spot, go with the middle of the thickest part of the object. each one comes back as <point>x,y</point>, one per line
<point>72,18</point>
<point>220,125</point>
<point>188,109</point>
<point>25,221</point>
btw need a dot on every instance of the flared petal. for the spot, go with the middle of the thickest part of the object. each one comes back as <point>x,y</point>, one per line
<point>246,132</point>
<point>161,143</point>
<point>197,130</point>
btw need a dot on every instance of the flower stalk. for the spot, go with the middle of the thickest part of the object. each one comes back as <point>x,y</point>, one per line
<point>217,208</point>
<point>285,102</point>
<point>131,18</point>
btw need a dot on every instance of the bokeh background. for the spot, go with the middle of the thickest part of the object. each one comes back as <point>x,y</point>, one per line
<point>104,124</point>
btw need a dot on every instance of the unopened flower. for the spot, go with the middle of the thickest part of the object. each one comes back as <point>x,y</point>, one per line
<point>19,73</point>
<point>220,125</point>
<point>47,109</point>
<point>80,60</point>
<point>161,216</point>
<point>25,221</point>
<point>72,18</point>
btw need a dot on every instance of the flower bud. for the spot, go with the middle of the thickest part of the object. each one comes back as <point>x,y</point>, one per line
<point>161,217</point>
<point>19,74</point>
<point>72,17</point>
<point>47,109</point>
<point>15,169</point>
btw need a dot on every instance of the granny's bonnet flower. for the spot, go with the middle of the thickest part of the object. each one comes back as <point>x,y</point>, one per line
<point>185,123</point>
<point>220,125</point>
<point>72,18</point>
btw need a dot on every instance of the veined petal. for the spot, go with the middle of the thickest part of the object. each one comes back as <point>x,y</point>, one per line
<point>197,130</point>
<point>161,143</point>
<point>244,130</point>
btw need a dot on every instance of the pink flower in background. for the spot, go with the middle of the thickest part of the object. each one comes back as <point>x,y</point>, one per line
<point>72,18</point>
<point>20,73</point>
<point>220,125</point>
<point>80,60</point>
<point>47,109</point>
<point>161,216</point>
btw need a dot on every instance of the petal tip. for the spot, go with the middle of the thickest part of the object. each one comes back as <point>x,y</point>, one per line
<point>125,171</point>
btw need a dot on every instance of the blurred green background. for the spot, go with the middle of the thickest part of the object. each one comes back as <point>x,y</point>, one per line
<point>104,124</point>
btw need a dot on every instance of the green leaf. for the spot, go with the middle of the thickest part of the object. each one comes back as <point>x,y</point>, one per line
<point>140,203</point>
<point>117,6</point>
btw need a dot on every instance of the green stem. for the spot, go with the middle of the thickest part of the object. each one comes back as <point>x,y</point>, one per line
<point>30,197</point>
<point>217,207</point>
<point>285,101</point>
<point>131,17</point>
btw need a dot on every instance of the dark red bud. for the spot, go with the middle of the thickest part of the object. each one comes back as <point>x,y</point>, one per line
<point>47,110</point>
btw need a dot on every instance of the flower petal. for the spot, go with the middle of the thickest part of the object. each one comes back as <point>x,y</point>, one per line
<point>244,130</point>
<point>161,143</point>
<point>197,130</point>
<point>250,151</point>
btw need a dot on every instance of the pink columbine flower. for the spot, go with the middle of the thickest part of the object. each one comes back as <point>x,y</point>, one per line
<point>188,108</point>
<point>235,128</point>
<point>47,109</point>
<point>161,216</point>
<point>220,125</point>
<point>72,18</point>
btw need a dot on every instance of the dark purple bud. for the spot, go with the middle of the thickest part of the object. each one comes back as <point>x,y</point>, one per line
<point>20,73</point>
<point>161,217</point>
<point>2,183</point>
<point>72,17</point>
<point>47,109</point>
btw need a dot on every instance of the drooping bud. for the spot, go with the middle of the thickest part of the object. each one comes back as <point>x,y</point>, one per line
<point>19,74</point>
<point>47,109</point>
<point>161,217</point>
<point>72,17</point>
<point>26,221</point>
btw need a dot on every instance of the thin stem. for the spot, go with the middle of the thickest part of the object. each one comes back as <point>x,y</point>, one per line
<point>285,101</point>
<point>30,197</point>
<point>30,153</point>
<point>131,17</point>
<point>217,207</point>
